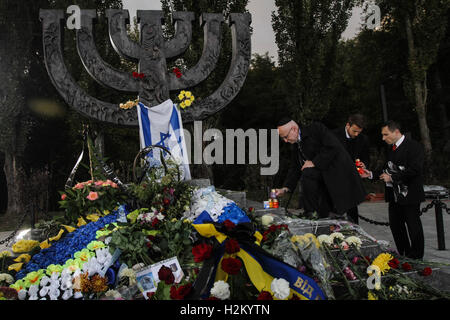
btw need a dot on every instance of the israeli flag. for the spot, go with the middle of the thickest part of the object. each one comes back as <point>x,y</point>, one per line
<point>161,125</point>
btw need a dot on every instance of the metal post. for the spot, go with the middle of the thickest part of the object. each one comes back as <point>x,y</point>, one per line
<point>439,224</point>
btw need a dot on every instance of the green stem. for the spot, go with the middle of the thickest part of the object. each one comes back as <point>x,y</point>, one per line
<point>336,265</point>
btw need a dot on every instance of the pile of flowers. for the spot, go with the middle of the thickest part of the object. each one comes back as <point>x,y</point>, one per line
<point>91,198</point>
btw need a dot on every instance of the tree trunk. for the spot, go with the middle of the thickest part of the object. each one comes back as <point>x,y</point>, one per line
<point>419,82</point>
<point>15,182</point>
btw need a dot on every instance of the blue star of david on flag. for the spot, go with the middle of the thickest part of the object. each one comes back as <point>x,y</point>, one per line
<point>162,125</point>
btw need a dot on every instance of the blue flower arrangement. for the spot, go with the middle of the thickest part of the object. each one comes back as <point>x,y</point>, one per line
<point>65,248</point>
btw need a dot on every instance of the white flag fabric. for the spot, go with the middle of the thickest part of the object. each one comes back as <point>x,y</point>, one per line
<point>161,125</point>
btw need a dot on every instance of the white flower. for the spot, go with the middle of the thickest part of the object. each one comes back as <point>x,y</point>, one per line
<point>22,294</point>
<point>160,216</point>
<point>221,290</point>
<point>324,238</point>
<point>113,294</point>
<point>67,294</point>
<point>43,292</point>
<point>355,241</point>
<point>335,235</point>
<point>6,277</point>
<point>266,219</point>
<point>280,288</point>
<point>33,290</point>
<point>78,295</point>
<point>33,297</point>
<point>44,281</point>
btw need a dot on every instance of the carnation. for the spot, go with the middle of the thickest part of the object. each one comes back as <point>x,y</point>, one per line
<point>355,241</point>
<point>221,290</point>
<point>335,235</point>
<point>266,219</point>
<point>324,238</point>
<point>280,288</point>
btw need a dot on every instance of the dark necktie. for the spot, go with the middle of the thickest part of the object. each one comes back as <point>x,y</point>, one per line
<point>300,152</point>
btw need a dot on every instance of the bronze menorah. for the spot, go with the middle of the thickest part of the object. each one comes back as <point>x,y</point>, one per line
<point>151,54</point>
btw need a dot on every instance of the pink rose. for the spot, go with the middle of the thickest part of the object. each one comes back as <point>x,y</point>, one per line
<point>92,196</point>
<point>63,196</point>
<point>79,186</point>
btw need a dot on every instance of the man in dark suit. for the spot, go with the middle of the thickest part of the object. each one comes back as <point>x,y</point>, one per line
<point>328,177</point>
<point>357,146</point>
<point>402,175</point>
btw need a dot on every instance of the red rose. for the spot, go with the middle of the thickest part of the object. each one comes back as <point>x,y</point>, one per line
<point>135,74</point>
<point>166,201</point>
<point>181,292</point>
<point>231,265</point>
<point>265,295</point>
<point>426,272</point>
<point>155,222</point>
<point>201,252</point>
<point>150,295</point>
<point>251,209</point>
<point>394,263</point>
<point>166,275</point>
<point>406,266</point>
<point>229,224</point>
<point>232,246</point>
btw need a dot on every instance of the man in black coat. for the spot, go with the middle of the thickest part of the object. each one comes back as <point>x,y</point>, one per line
<point>328,176</point>
<point>402,175</point>
<point>357,146</point>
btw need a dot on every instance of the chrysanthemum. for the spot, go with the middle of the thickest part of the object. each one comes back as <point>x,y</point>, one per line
<point>382,262</point>
<point>371,296</point>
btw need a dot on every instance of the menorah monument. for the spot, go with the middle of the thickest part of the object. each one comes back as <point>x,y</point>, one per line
<point>151,54</point>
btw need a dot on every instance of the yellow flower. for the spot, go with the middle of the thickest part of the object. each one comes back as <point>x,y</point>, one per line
<point>23,258</point>
<point>313,239</point>
<point>182,105</point>
<point>106,212</point>
<point>382,262</point>
<point>69,228</point>
<point>83,255</point>
<point>81,222</point>
<point>18,285</point>
<point>53,268</point>
<point>92,217</point>
<point>187,103</point>
<point>22,245</point>
<point>72,265</point>
<point>34,277</point>
<point>58,236</point>
<point>181,95</point>
<point>173,220</point>
<point>371,296</point>
<point>192,98</point>
<point>188,94</point>
<point>45,244</point>
<point>5,254</point>
<point>15,266</point>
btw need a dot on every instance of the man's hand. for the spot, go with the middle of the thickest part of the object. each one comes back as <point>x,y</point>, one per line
<point>365,173</point>
<point>281,192</point>
<point>386,177</point>
<point>308,164</point>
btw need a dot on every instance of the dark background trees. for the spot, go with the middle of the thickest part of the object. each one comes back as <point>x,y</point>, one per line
<point>318,77</point>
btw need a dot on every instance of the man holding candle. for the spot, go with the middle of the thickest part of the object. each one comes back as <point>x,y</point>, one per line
<point>328,177</point>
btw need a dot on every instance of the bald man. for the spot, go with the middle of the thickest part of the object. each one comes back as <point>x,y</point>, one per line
<point>328,177</point>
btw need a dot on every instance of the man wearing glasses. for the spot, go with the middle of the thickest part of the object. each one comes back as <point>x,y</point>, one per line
<point>329,180</point>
